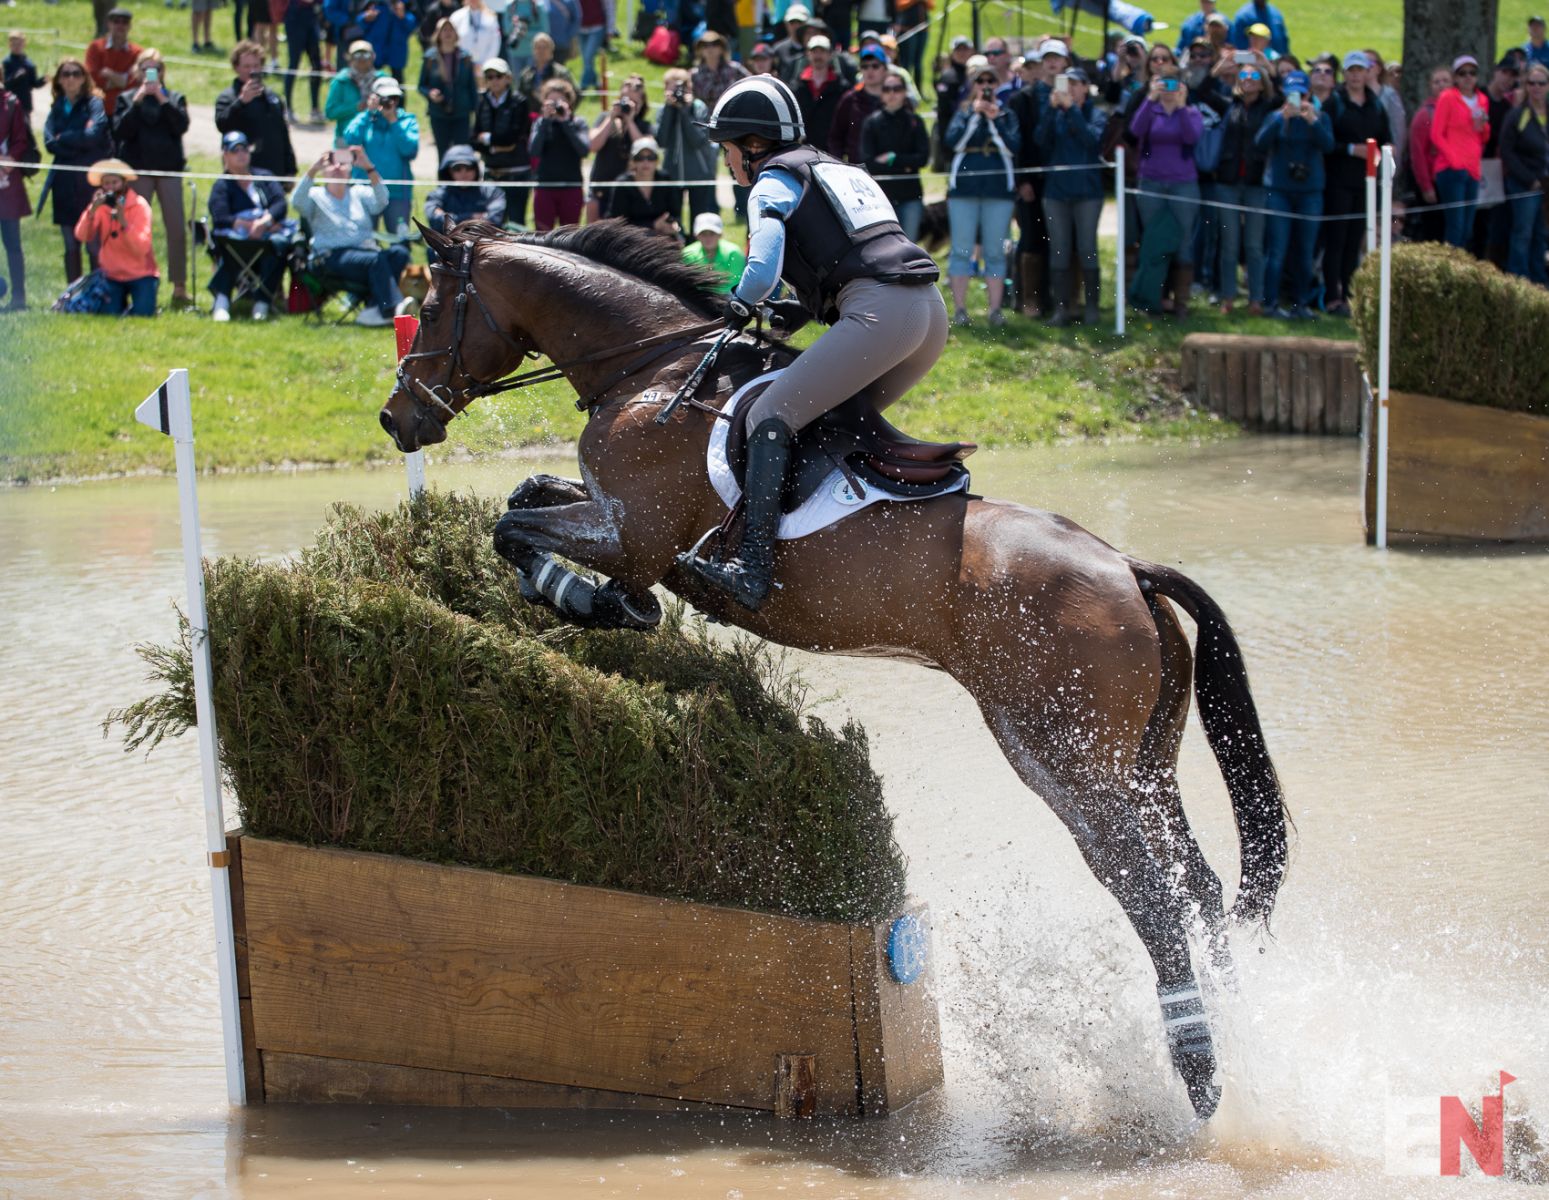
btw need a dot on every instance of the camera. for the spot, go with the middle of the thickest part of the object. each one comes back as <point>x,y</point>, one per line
<point>1243,58</point>
<point>679,93</point>
<point>1169,85</point>
<point>1299,171</point>
<point>987,93</point>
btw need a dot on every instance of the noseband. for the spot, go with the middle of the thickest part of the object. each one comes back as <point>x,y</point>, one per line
<point>448,401</point>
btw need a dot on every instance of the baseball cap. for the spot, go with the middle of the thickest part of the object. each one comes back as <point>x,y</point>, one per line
<point>1077,74</point>
<point>498,65</point>
<point>875,52</point>
<point>1356,59</point>
<point>818,42</point>
<point>642,144</point>
<point>798,12</point>
<point>120,11</point>
<point>976,65</point>
<point>1217,19</point>
<point>1259,29</point>
<point>710,222</point>
<point>234,139</point>
<point>760,50</point>
<point>385,87</point>
<point>1464,60</point>
<point>1535,20</point>
<point>361,46</point>
<point>1295,81</point>
<point>870,35</point>
<point>960,41</point>
<point>1054,46</point>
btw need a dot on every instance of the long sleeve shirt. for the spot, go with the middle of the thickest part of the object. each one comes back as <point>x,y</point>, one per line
<point>339,222</point>
<point>123,234</point>
<point>1167,141</point>
<point>1422,154</point>
<point>1458,139</point>
<point>775,195</point>
<point>559,147</point>
<point>390,145</point>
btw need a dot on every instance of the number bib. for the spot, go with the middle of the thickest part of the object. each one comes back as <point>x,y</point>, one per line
<point>856,198</point>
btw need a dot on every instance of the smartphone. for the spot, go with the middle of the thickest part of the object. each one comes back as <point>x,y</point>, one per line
<point>1062,84</point>
<point>1294,99</point>
<point>152,75</point>
<point>1243,58</point>
<point>1169,85</point>
<point>986,93</point>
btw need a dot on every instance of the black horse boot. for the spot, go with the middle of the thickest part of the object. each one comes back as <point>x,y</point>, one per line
<point>748,576</point>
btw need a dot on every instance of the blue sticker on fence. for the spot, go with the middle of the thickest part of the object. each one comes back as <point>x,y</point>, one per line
<point>906,949</point>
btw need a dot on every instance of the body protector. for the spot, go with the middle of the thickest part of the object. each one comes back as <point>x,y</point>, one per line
<point>844,228</point>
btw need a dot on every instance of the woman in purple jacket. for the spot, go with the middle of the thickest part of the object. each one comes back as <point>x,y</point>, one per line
<point>1165,127</point>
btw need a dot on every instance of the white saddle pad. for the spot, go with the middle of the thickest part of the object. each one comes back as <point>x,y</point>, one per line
<point>834,501</point>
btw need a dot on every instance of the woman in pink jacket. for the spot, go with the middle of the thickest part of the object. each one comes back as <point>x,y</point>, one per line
<point>1459,131</point>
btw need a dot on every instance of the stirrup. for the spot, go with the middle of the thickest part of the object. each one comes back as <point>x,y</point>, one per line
<point>746,586</point>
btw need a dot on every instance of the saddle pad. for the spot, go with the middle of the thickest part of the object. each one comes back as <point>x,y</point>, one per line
<point>834,501</point>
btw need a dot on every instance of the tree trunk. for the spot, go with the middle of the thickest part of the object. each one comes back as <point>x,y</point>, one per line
<point>1437,31</point>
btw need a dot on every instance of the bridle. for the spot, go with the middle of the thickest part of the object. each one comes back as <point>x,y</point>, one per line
<point>448,401</point>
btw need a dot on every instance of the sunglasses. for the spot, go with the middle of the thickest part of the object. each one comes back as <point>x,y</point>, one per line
<point>1323,70</point>
<point>1249,75</point>
<point>1468,71</point>
<point>646,157</point>
<point>1530,83</point>
<point>493,75</point>
<point>72,74</point>
<point>894,87</point>
<point>995,53</point>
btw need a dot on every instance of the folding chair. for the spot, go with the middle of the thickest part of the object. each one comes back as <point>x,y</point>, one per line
<point>244,257</point>
<point>323,285</point>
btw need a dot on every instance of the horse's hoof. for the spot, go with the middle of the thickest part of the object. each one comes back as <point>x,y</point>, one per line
<point>614,608</point>
<point>1198,1073</point>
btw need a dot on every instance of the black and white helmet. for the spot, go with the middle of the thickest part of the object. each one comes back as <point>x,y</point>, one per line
<point>760,105</point>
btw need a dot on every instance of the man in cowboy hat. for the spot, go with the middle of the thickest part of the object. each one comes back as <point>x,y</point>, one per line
<point>119,220</point>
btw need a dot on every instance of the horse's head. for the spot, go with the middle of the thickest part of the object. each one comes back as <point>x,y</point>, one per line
<point>463,343</point>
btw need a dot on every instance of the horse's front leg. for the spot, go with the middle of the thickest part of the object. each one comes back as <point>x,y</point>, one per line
<point>585,531</point>
<point>547,491</point>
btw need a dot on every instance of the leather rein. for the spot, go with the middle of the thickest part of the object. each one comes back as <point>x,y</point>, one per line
<point>449,401</point>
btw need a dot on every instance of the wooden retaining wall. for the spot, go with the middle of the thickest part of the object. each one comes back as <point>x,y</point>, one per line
<point>1275,384</point>
<point>365,978</point>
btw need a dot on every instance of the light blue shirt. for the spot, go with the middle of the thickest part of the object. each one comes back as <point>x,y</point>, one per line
<point>339,222</point>
<point>775,195</point>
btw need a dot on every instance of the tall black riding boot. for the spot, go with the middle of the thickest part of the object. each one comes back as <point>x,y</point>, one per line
<point>748,576</point>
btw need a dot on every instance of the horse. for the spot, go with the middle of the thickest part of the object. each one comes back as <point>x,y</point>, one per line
<point>1072,650</point>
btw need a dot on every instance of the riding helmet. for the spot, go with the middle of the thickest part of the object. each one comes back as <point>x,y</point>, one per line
<point>759,105</point>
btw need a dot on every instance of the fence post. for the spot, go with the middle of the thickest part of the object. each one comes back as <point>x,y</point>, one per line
<point>1384,346</point>
<point>1118,273</point>
<point>1373,155</point>
<point>404,329</point>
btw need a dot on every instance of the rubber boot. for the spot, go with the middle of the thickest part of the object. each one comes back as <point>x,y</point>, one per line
<point>1059,284</point>
<point>1092,281</point>
<point>1029,276</point>
<point>1183,284</point>
<point>748,576</point>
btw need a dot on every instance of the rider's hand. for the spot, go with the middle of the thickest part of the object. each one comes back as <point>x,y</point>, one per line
<point>736,314</point>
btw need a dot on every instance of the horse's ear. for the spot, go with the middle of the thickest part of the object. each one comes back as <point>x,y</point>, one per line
<point>436,241</point>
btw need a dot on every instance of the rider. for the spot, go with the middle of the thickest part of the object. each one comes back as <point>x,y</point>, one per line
<point>829,232</point>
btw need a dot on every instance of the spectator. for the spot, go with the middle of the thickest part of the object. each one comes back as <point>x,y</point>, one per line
<point>615,132</point>
<point>645,198</point>
<point>1355,115</point>
<point>865,98</point>
<point>1260,12</point>
<point>388,25</point>
<point>1383,79</point>
<point>524,20</point>
<point>15,143</point>
<point>565,27</point>
<point>1423,155</point>
<point>349,90</point>
<point>118,220</point>
<point>247,203</point>
<point>1069,134</point>
<point>1166,130</point>
<point>1537,46</point>
<point>111,59</point>
<point>760,61</point>
<point>1027,104</point>
<point>1295,139</point>
<point>342,30</point>
<point>148,129</point>
<point>76,133</point>
<point>998,53</point>
<point>715,72</point>
<point>951,83</point>
<point>836,15</point>
<point>1459,130</point>
<point>20,74</point>
<point>463,196</point>
<point>450,90</point>
<point>340,215</point>
<point>981,192</point>
<point>1239,181</point>
<point>1323,78</point>
<point>894,143</point>
<point>391,139</point>
<point>502,125</point>
<point>593,34</point>
<point>711,249</point>
<point>247,105</point>
<point>544,68</point>
<point>303,38</point>
<point>478,31</point>
<point>1502,97</point>
<point>911,24</point>
<point>819,89</point>
<point>1525,165</point>
<point>558,145</point>
<point>688,155</point>
<point>790,51</point>
<point>432,13</point>
<point>1193,27</point>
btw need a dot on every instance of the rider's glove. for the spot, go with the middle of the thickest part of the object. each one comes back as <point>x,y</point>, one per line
<point>788,315</point>
<point>736,314</point>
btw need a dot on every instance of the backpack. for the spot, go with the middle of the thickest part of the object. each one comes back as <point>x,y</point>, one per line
<point>663,45</point>
<point>89,294</point>
<point>1207,151</point>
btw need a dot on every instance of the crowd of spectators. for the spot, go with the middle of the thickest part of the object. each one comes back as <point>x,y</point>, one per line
<point>1246,165</point>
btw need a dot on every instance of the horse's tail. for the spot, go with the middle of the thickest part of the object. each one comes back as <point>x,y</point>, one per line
<point>1231,722</point>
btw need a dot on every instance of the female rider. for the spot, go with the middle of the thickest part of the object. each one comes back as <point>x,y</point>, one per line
<point>828,231</point>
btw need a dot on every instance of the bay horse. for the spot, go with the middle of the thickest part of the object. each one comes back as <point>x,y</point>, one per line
<point>1072,650</point>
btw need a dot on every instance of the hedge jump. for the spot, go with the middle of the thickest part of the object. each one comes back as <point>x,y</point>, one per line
<point>1275,384</point>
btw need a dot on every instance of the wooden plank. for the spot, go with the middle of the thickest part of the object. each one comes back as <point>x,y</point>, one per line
<point>898,1032</point>
<point>1298,422</point>
<point>1351,407</point>
<point>1236,367</point>
<point>1216,400</point>
<point>1282,416</point>
<point>1317,371</point>
<point>308,1079</point>
<point>1269,389</point>
<point>795,1086</point>
<point>385,960</point>
<point>252,1062</point>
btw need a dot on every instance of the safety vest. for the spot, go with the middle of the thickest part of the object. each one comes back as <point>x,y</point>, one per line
<point>843,229</point>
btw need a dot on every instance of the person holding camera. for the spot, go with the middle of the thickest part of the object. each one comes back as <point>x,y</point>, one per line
<point>559,143</point>
<point>118,220</point>
<point>252,108</point>
<point>391,138</point>
<point>981,189</point>
<point>502,125</point>
<point>1295,139</point>
<point>340,214</point>
<point>148,129</point>
<point>1166,130</point>
<point>1069,133</point>
<point>612,138</point>
<point>450,90</point>
<point>1239,188</point>
<point>687,152</point>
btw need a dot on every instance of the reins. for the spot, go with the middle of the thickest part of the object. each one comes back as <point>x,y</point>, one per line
<point>450,401</point>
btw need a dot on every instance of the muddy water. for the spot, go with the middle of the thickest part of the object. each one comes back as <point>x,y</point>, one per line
<point>1405,700</point>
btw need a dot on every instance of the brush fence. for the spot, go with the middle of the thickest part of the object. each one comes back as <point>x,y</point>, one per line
<point>365,978</point>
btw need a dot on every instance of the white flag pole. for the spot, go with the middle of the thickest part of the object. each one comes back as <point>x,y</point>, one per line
<point>1118,216</point>
<point>170,411</point>
<point>404,329</point>
<point>1372,160</point>
<point>1384,344</point>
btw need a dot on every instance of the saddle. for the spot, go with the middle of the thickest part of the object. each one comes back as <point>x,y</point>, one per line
<point>859,441</point>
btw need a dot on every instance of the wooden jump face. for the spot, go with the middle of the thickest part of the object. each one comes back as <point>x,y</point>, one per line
<point>365,978</point>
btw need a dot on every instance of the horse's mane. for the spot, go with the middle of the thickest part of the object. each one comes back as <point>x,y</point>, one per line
<point>614,243</point>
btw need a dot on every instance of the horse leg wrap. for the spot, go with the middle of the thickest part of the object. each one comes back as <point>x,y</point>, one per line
<point>580,600</point>
<point>1189,1042</point>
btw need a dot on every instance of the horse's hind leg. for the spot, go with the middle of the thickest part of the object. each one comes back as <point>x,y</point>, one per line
<point>1165,823</point>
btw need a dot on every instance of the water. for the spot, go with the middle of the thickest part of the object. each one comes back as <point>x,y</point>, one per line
<point>1404,699</point>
